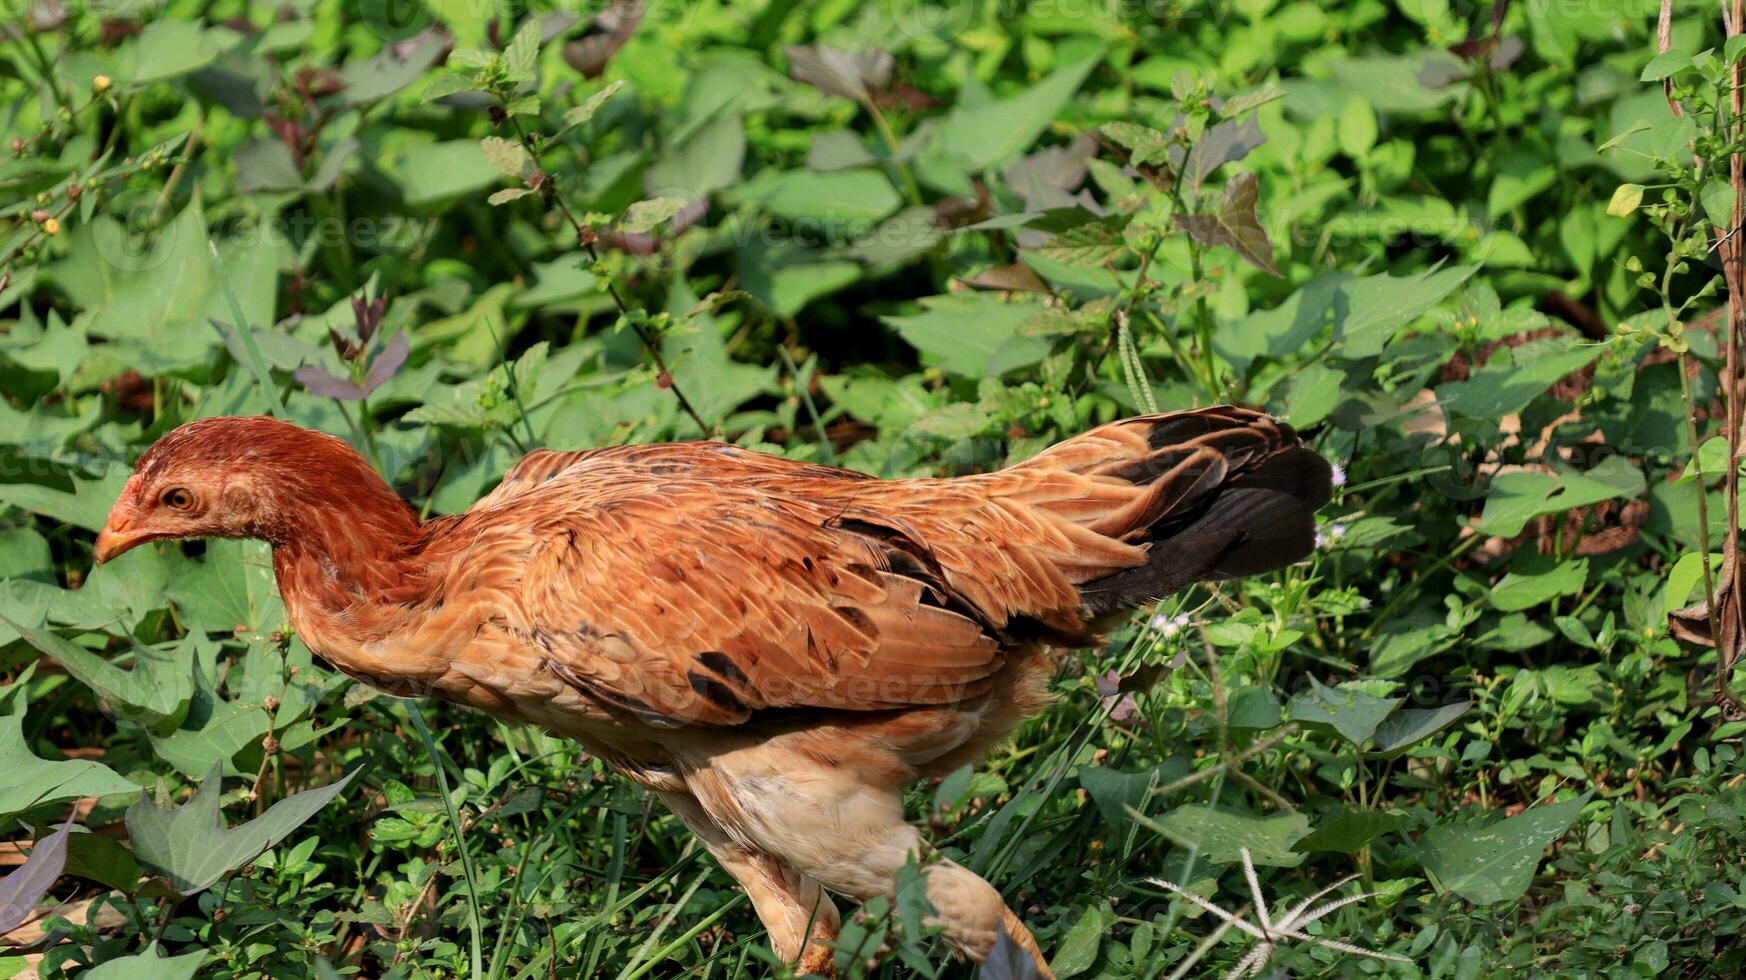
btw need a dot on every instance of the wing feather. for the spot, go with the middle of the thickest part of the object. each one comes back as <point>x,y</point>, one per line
<point>706,595</point>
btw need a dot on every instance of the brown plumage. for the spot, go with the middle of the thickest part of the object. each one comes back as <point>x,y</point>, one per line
<point>774,648</point>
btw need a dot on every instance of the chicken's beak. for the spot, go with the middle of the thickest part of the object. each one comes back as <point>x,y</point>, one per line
<point>120,533</point>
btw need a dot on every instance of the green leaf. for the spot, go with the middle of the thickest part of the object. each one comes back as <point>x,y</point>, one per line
<point>1525,590</point>
<point>96,857</point>
<point>1236,105</point>
<point>1717,197</point>
<point>1077,951</point>
<point>839,149</point>
<point>1092,242</point>
<point>708,160</point>
<point>1350,829</point>
<point>450,84</point>
<point>523,51</point>
<point>580,114</point>
<point>1625,199</point>
<point>1254,708</point>
<point>1522,175</point>
<point>1519,496</point>
<point>1378,306</point>
<point>1145,145</point>
<point>155,692</point>
<point>1116,794</point>
<point>644,216</point>
<point>1315,393</point>
<point>972,334</point>
<point>1348,710</point>
<point>509,194</point>
<point>1665,65</point>
<point>190,846</point>
<point>148,964</point>
<point>170,48</point>
<point>394,68</point>
<point>1357,128</point>
<point>432,173</point>
<point>154,290</point>
<point>1220,833</point>
<point>84,505</point>
<point>231,587</point>
<point>1685,577</point>
<point>510,158</point>
<point>837,200</point>
<point>1494,862</point>
<point>989,133</point>
<point>1410,726</point>
<point>31,781</point>
<point>1234,224</point>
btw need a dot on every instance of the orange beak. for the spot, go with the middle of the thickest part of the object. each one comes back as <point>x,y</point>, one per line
<point>119,535</point>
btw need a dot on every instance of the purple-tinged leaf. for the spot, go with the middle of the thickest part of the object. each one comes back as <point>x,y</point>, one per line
<point>614,26</point>
<point>844,73</point>
<point>22,889</point>
<point>1013,277</point>
<point>387,362</point>
<point>323,383</point>
<point>1008,960</point>
<point>368,315</point>
<point>1226,142</point>
<point>1109,684</point>
<point>1234,225</point>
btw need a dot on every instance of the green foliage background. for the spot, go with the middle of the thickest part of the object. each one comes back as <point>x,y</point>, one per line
<point>1465,249</point>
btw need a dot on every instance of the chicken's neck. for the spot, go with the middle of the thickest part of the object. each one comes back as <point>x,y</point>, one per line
<point>347,561</point>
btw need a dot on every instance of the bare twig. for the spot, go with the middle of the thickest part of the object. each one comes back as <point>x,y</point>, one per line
<point>585,237</point>
<point>1733,264</point>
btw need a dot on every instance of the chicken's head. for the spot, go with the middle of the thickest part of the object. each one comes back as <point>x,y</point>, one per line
<point>229,478</point>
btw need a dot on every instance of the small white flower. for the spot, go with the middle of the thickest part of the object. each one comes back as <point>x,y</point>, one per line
<point>1339,475</point>
<point>1168,626</point>
<point>1327,534</point>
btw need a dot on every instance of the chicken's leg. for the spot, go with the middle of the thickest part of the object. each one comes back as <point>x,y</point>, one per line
<point>801,919</point>
<point>850,836</point>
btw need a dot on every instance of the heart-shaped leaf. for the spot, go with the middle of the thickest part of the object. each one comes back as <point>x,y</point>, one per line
<point>190,845</point>
<point>1235,224</point>
<point>154,693</point>
<point>1486,863</point>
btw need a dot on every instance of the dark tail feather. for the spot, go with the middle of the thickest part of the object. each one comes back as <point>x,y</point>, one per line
<point>1259,518</point>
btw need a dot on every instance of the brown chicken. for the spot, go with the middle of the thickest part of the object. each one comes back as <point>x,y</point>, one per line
<point>774,648</point>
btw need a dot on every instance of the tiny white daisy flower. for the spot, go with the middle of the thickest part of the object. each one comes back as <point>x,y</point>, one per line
<point>1339,475</point>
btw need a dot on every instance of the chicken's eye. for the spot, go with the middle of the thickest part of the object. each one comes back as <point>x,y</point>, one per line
<point>178,498</point>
